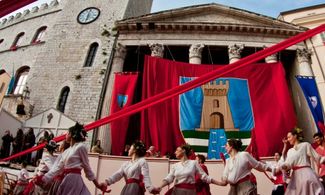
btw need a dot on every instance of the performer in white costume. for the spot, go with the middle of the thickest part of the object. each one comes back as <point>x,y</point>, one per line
<point>135,172</point>
<point>238,168</point>
<point>72,162</point>
<point>303,178</point>
<point>183,174</point>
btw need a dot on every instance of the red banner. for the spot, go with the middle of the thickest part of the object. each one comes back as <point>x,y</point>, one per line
<point>272,107</point>
<point>8,6</point>
<point>122,97</point>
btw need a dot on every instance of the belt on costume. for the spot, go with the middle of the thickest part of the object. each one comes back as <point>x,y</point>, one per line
<point>19,183</point>
<point>299,167</point>
<point>186,186</point>
<point>72,170</point>
<point>246,178</point>
<point>133,180</point>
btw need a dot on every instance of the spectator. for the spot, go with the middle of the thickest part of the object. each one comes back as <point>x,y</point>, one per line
<point>151,152</point>
<point>320,149</point>
<point>17,144</point>
<point>29,141</point>
<point>96,148</point>
<point>43,139</point>
<point>202,188</point>
<point>6,141</point>
<point>126,150</point>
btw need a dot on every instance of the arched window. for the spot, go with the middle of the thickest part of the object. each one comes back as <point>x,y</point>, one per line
<point>1,41</point>
<point>17,41</point>
<point>21,79</point>
<point>39,34</point>
<point>63,99</point>
<point>91,55</point>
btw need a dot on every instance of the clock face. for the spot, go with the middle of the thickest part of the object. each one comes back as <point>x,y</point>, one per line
<point>88,15</point>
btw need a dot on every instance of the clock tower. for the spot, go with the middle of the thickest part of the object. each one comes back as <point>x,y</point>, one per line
<point>69,72</point>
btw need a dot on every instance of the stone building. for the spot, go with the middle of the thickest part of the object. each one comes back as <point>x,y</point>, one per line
<point>60,53</point>
<point>66,53</point>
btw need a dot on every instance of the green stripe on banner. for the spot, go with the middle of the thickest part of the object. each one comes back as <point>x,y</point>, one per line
<point>238,134</point>
<point>196,134</point>
<point>200,148</point>
<point>197,139</point>
<point>205,134</point>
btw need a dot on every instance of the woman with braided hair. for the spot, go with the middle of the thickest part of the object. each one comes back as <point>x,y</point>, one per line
<point>71,163</point>
<point>135,172</point>
<point>303,178</point>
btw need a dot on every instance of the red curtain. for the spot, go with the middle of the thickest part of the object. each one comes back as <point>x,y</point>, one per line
<point>272,107</point>
<point>8,6</point>
<point>122,97</point>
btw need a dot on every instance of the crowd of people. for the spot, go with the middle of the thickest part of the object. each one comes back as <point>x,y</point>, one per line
<point>23,142</point>
<point>292,172</point>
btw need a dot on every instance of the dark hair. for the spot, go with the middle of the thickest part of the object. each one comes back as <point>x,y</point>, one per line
<point>24,164</point>
<point>78,132</point>
<point>187,148</point>
<point>140,148</point>
<point>201,157</point>
<point>235,144</point>
<point>51,146</point>
<point>280,154</point>
<point>298,132</point>
<point>319,134</point>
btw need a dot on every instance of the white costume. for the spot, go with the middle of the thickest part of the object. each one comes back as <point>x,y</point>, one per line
<point>303,178</point>
<point>74,158</point>
<point>22,182</point>
<point>237,173</point>
<point>132,170</point>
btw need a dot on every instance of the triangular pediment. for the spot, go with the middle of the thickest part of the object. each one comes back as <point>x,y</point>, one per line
<point>212,14</point>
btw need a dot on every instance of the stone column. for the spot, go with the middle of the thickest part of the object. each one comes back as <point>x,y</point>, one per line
<point>104,132</point>
<point>195,53</point>
<point>234,52</point>
<point>304,62</point>
<point>272,58</point>
<point>157,50</point>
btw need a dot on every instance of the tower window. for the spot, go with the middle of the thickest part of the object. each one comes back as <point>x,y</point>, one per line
<point>39,34</point>
<point>17,41</point>
<point>216,103</point>
<point>63,98</point>
<point>91,54</point>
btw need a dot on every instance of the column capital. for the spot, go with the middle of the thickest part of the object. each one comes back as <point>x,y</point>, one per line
<point>120,51</point>
<point>304,55</point>
<point>157,50</point>
<point>234,52</point>
<point>272,58</point>
<point>196,50</point>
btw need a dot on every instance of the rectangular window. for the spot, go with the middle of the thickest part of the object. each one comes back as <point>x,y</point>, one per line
<point>21,84</point>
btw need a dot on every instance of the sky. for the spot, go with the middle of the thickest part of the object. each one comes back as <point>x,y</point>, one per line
<point>265,7</point>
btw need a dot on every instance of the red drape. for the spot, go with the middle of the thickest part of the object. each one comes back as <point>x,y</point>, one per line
<point>122,97</point>
<point>272,107</point>
<point>8,6</point>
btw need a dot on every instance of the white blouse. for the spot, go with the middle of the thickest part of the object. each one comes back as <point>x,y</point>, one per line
<point>46,163</point>
<point>240,166</point>
<point>74,157</point>
<point>133,169</point>
<point>184,172</point>
<point>300,155</point>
